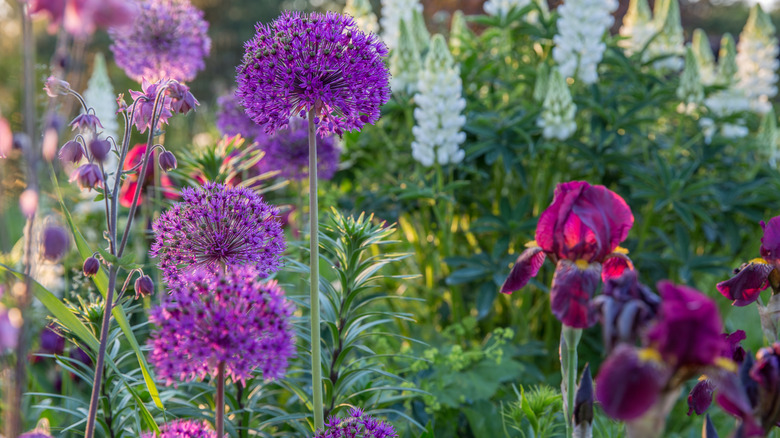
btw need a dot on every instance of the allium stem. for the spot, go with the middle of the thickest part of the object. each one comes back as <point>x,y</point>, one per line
<point>570,337</point>
<point>219,401</point>
<point>316,367</point>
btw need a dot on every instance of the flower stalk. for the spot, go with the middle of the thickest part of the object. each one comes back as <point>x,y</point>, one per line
<point>570,338</point>
<point>219,401</point>
<point>316,353</point>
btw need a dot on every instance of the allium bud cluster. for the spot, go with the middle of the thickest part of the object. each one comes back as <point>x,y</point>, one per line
<point>578,45</point>
<point>438,135</point>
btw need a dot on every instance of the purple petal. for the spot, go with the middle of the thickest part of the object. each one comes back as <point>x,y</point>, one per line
<point>607,214</point>
<point>770,242</point>
<point>700,397</point>
<point>627,386</point>
<point>527,266</point>
<point>614,266</point>
<point>745,287</point>
<point>572,292</point>
<point>556,215</point>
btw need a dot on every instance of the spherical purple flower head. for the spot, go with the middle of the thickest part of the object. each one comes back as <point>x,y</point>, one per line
<point>287,152</point>
<point>167,40</point>
<point>232,119</point>
<point>184,429</point>
<point>314,61</point>
<point>222,316</point>
<point>218,226</point>
<point>356,425</point>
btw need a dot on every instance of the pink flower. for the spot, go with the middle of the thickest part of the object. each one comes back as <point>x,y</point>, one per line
<point>579,231</point>
<point>81,18</point>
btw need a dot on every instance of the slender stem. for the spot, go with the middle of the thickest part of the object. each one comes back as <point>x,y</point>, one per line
<point>101,356</point>
<point>316,365</point>
<point>219,401</point>
<point>570,337</point>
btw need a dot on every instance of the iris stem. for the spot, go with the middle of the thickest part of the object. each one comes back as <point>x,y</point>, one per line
<point>570,337</point>
<point>219,401</point>
<point>316,367</point>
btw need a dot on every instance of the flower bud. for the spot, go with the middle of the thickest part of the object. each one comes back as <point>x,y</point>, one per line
<point>56,87</point>
<point>182,100</point>
<point>99,149</point>
<point>6,138</point>
<point>72,152</point>
<point>55,243</point>
<point>87,176</point>
<point>91,266</point>
<point>167,161</point>
<point>49,146</point>
<point>143,286</point>
<point>86,123</point>
<point>28,202</point>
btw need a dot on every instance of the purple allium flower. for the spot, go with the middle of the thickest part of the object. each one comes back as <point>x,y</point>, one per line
<point>356,425</point>
<point>167,40</point>
<point>232,119</point>
<point>287,151</point>
<point>184,429</point>
<point>579,231</point>
<point>144,106</point>
<point>218,226</point>
<point>314,61</point>
<point>758,274</point>
<point>222,316</point>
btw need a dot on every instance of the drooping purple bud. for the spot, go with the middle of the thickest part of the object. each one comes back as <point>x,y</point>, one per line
<point>56,87</point>
<point>55,243</point>
<point>51,341</point>
<point>87,176</point>
<point>99,149</point>
<point>91,266</point>
<point>167,161</point>
<point>71,152</point>
<point>700,397</point>
<point>88,123</point>
<point>143,286</point>
<point>182,100</point>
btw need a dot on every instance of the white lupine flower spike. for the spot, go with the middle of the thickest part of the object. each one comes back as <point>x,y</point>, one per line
<point>637,28</point>
<point>420,31</point>
<point>100,96</point>
<point>364,15</point>
<point>393,12</point>
<point>728,102</point>
<point>558,109</point>
<point>459,32</point>
<point>670,41</point>
<point>405,62</point>
<point>757,60</point>
<point>767,137</point>
<point>439,114</point>
<point>702,51</point>
<point>690,91</point>
<point>579,44</point>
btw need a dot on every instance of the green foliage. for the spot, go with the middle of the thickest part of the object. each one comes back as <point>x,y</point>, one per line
<point>536,413</point>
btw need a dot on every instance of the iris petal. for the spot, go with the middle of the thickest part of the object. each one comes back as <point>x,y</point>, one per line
<point>571,293</point>
<point>626,386</point>
<point>745,287</point>
<point>527,266</point>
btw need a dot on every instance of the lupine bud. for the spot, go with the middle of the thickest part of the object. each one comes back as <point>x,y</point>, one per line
<point>71,152</point>
<point>393,13</point>
<point>459,32</point>
<point>87,176</point>
<point>702,51</point>
<point>420,31</point>
<point>99,149</point>
<point>55,243</point>
<point>56,87</point>
<point>579,48</point>
<point>757,60</point>
<point>167,161</point>
<point>727,61</point>
<point>670,40</point>
<point>690,90</point>
<point>100,96</point>
<point>637,27</point>
<point>767,137</point>
<point>405,62</point>
<point>143,286</point>
<point>28,202</point>
<point>558,109</point>
<point>91,266</point>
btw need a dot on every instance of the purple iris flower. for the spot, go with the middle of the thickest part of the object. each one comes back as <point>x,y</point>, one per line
<point>758,274</point>
<point>580,232</point>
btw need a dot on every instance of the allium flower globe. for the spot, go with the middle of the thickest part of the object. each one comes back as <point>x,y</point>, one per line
<point>287,152</point>
<point>228,317</point>
<point>184,429</point>
<point>317,61</point>
<point>232,119</point>
<point>167,40</point>
<point>216,227</point>
<point>356,425</point>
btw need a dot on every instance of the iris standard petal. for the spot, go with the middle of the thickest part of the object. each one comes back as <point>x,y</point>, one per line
<point>607,214</point>
<point>526,267</point>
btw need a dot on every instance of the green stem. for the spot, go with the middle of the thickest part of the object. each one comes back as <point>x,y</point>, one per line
<point>316,360</point>
<point>219,401</point>
<point>570,337</point>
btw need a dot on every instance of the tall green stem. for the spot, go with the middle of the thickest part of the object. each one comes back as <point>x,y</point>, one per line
<point>570,337</point>
<point>316,366</point>
<point>219,401</point>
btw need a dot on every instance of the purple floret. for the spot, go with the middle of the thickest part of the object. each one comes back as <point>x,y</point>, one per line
<point>213,317</point>
<point>167,40</point>
<point>214,227</point>
<point>314,61</point>
<point>356,425</point>
<point>287,152</point>
<point>184,429</point>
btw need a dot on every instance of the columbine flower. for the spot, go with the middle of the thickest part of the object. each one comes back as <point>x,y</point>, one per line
<point>101,97</point>
<point>71,152</point>
<point>81,18</point>
<point>364,15</point>
<point>437,134</point>
<point>558,109</point>
<point>228,317</point>
<point>142,109</point>
<point>55,86</point>
<point>356,425</point>
<point>757,60</point>
<point>690,90</point>
<point>217,226</point>
<point>637,27</point>
<point>579,231</point>
<point>287,152</point>
<point>127,191</point>
<point>757,274</point>
<point>405,62</point>
<point>705,59</point>
<point>86,123</point>
<point>184,429</point>
<point>670,41</point>
<point>87,176</point>
<point>320,62</point>
<point>167,40</point>
<point>578,45</point>
<point>232,119</point>
<point>393,12</point>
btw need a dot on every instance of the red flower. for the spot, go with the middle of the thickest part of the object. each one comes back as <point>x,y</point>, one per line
<point>127,192</point>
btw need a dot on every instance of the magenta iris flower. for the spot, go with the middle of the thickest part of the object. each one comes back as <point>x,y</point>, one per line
<point>316,61</point>
<point>215,227</point>
<point>357,424</point>
<point>229,317</point>
<point>579,232</point>
<point>167,40</point>
<point>758,274</point>
<point>184,429</point>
